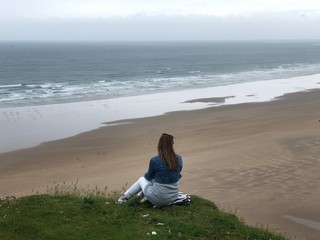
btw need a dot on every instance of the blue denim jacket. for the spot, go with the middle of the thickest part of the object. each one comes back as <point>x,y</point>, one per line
<point>159,171</point>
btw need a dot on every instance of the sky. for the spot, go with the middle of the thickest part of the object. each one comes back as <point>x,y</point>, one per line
<point>151,20</point>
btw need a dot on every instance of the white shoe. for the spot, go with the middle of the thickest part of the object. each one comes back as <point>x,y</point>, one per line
<point>122,199</point>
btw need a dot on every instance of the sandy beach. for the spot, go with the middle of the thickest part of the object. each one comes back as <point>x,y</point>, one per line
<point>258,160</point>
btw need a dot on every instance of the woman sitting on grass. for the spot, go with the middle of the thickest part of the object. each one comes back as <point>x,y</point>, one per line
<point>160,185</point>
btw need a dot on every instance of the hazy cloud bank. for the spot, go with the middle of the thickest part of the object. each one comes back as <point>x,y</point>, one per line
<point>265,25</point>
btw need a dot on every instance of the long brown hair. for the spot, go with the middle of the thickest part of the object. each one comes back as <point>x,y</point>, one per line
<point>166,151</point>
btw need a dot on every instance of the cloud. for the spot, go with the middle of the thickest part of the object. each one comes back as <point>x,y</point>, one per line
<point>265,25</point>
<point>68,9</point>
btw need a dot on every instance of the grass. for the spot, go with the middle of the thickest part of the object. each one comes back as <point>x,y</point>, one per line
<point>61,215</point>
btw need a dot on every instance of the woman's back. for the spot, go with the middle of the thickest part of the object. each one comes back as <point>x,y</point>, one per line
<point>160,172</point>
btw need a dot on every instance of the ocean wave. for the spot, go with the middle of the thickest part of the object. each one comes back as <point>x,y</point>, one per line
<point>46,93</point>
<point>10,85</point>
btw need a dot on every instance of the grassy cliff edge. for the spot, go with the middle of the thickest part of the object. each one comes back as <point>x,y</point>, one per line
<point>69,216</point>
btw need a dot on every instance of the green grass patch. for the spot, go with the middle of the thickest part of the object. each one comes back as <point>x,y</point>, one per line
<point>70,216</point>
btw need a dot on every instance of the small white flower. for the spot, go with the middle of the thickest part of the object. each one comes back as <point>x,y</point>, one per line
<point>154,233</point>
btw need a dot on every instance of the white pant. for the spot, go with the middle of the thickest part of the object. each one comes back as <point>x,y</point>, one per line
<point>138,188</point>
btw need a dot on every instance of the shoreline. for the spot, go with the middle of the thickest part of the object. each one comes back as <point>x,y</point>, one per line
<point>258,159</point>
<point>58,121</point>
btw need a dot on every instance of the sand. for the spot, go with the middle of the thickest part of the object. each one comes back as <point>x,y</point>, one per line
<point>258,160</point>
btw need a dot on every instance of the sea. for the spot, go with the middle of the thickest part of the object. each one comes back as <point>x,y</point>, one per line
<point>38,73</point>
<point>54,90</point>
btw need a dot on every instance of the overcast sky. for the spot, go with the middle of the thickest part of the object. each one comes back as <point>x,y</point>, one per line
<point>159,20</point>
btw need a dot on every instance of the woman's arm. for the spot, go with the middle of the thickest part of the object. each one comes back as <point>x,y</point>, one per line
<point>180,161</point>
<point>149,175</point>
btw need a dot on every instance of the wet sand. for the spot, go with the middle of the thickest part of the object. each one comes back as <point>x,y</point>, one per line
<point>258,160</point>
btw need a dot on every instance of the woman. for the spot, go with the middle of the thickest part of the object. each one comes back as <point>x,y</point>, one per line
<point>160,184</point>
